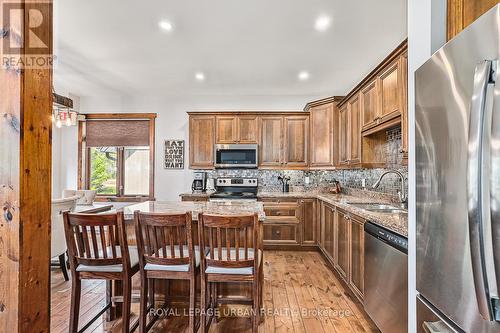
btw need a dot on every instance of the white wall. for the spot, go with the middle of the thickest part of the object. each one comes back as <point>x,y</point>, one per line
<point>171,123</point>
<point>426,34</point>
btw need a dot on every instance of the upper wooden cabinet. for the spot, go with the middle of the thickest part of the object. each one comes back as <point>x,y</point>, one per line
<point>349,120</point>
<point>284,141</point>
<point>462,13</point>
<point>236,129</point>
<point>321,121</point>
<point>354,133</point>
<point>271,141</point>
<point>296,141</point>
<point>369,104</point>
<point>391,90</point>
<point>201,141</point>
<point>248,130</point>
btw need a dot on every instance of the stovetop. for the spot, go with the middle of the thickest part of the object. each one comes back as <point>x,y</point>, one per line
<point>235,188</point>
<point>234,195</point>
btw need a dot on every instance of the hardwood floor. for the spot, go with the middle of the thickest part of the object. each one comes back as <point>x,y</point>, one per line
<point>301,294</point>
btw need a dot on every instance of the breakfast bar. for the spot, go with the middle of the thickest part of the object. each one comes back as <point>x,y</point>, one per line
<point>177,291</point>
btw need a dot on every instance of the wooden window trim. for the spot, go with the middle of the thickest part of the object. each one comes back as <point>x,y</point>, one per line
<point>83,163</point>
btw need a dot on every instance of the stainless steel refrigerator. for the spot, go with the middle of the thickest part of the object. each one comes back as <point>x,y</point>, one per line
<point>458,182</point>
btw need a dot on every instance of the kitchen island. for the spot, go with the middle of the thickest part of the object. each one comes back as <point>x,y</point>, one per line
<point>176,291</point>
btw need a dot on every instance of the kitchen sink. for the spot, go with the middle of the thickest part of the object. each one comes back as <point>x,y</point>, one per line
<point>378,207</point>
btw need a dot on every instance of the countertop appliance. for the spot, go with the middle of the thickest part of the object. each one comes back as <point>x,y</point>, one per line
<point>235,188</point>
<point>386,278</point>
<point>199,182</point>
<point>236,156</point>
<point>458,181</point>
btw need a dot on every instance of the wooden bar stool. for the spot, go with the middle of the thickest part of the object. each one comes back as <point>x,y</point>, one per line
<point>166,251</point>
<point>97,249</point>
<point>235,256</point>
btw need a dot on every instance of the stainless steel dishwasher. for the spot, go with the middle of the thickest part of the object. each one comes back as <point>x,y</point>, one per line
<point>386,278</point>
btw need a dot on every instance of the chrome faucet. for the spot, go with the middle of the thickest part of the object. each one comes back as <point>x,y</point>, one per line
<point>403,197</point>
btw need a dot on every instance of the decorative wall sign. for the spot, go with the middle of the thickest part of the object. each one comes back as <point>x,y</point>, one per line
<point>174,154</point>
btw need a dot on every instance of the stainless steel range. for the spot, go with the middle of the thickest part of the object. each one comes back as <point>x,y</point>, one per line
<point>235,188</point>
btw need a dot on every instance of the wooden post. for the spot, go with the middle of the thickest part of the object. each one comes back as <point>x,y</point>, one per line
<point>25,165</point>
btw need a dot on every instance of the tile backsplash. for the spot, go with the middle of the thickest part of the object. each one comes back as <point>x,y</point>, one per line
<point>352,179</point>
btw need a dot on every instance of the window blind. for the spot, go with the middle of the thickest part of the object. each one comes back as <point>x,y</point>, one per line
<point>106,133</point>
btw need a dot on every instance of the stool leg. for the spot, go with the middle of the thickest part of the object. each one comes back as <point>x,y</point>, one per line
<point>143,305</point>
<point>192,305</point>
<point>203,307</point>
<point>76,291</point>
<point>64,268</point>
<point>127,295</point>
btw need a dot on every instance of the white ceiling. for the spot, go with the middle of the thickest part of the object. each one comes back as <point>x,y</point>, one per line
<point>244,47</point>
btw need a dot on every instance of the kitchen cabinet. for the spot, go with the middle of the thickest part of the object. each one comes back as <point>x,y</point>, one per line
<point>327,231</point>
<point>296,141</point>
<point>341,243</point>
<point>282,226</point>
<point>404,108</point>
<point>309,221</point>
<point>284,141</point>
<point>343,136</point>
<point>462,13</point>
<point>369,105</point>
<point>322,136</point>
<point>349,133</point>
<point>271,141</point>
<point>356,255</point>
<point>391,91</point>
<point>248,130</point>
<point>354,133</point>
<point>201,141</point>
<point>236,129</point>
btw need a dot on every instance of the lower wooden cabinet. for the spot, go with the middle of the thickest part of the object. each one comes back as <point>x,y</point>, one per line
<point>357,255</point>
<point>342,242</point>
<point>281,234</point>
<point>309,221</point>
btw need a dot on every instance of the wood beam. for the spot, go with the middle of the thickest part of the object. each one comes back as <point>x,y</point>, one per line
<point>25,167</point>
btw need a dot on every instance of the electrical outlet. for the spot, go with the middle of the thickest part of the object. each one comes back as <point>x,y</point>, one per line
<point>363,182</point>
<point>306,180</point>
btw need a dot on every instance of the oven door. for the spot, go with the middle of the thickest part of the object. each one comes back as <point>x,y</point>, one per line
<point>236,156</point>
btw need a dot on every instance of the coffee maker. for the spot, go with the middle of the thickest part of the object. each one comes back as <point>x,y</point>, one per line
<point>199,182</point>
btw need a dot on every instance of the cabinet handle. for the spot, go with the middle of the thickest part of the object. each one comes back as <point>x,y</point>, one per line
<point>278,213</point>
<point>278,232</point>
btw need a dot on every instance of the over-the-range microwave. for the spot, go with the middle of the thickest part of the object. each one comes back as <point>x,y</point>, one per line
<point>236,156</point>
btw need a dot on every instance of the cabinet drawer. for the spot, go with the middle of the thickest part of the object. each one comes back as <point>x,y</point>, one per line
<point>281,234</point>
<point>278,200</point>
<point>284,213</point>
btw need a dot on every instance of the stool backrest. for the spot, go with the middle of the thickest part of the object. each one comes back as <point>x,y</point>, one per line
<point>164,239</point>
<point>96,239</point>
<point>233,240</point>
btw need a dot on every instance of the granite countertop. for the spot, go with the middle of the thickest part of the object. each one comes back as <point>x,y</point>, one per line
<point>196,194</point>
<point>396,222</point>
<point>233,207</point>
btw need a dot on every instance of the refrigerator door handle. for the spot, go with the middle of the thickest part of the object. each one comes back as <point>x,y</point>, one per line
<point>478,192</point>
<point>436,327</point>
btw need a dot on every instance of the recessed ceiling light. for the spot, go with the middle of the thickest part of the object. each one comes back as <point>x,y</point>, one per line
<point>304,75</point>
<point>322,23</point>
<point>166,26</point>
<point>200,76</point>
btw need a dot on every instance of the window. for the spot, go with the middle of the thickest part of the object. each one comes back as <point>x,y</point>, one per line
<point>117,156</point>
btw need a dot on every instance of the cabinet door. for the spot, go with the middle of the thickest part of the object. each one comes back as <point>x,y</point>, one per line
<point>354,131</point>
<point>327,230</point>
<point>308,207</point>
<point>390,92</point>
<point>404,107</point>
<point>281,234</point>
<point>321,120</point>
<point>296,141</point>
<point>248,129</point>
<point>369,105</point>
<point>343,136</point>
<point>226,129</point>
<point>462,13</point>
<point>271,141</point>
<point>357,256</point>
<point>201,142</point>
<point>341,244</point>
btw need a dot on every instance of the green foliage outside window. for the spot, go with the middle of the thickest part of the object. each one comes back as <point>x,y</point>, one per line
<point>103,170</point>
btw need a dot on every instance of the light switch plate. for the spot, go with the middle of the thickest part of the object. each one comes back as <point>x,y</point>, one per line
<point>363,182</point>
<point>306,180</point>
